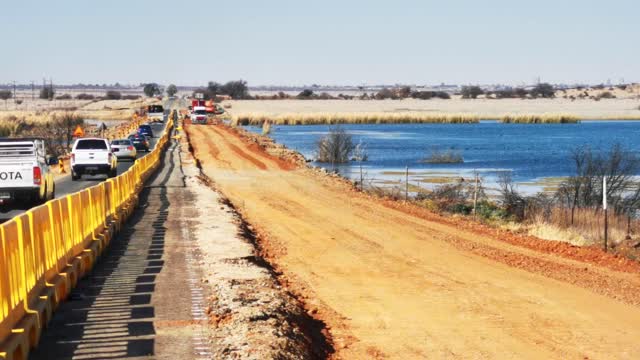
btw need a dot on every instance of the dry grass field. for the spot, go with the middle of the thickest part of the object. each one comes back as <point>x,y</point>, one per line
<point>587,109</point>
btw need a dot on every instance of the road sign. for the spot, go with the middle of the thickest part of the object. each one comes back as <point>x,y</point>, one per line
<point>78,132</point>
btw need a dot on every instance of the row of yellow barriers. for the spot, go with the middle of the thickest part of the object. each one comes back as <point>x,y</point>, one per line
<point>44,251</point>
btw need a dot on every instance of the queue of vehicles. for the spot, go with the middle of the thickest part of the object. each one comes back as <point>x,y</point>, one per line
<point>26,169</point>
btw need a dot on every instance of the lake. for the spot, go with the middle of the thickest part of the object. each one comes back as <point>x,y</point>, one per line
<point>533,153</point>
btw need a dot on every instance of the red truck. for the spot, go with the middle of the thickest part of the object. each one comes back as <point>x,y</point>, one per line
<point>209,105</point>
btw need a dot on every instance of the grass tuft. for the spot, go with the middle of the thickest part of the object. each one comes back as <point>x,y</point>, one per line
<point>539,119</point>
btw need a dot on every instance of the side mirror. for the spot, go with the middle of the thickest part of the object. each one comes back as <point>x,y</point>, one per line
<point>52,160</point>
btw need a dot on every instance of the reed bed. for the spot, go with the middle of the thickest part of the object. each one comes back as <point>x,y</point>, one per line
<point>539,119</point>
<point>352,118</point>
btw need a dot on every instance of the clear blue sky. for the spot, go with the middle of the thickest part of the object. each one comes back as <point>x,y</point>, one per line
<point>324,42</point>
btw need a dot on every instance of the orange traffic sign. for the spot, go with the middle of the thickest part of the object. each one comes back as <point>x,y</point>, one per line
<point>78,132</point>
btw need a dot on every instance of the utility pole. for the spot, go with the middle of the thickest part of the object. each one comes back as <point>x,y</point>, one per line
<point>604,207</point>
<point>406,188</point>
<point>475,198</point>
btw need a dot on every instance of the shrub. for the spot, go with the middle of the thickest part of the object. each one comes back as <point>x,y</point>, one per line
<point>172,90</point>
<point>605,95</point>
<point>5,95</point>
<point>423,95</point>
<point>130,97</point>
<point>64,97</point>
<point>544,90</point>
<point>151,89</point>
<point>113,95</point>
<point>85,96</point>
<point>336,147</point>
<point>385,94</point>
<point>47,92</point>
<point>450,156</point>
<point>266,128</point>
<point>471,92</point>
<point>442,95</point>
<point>236,89</point>
<point>306,94</point>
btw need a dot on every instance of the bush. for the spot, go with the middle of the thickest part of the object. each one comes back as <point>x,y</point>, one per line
<point>172,90</point>
<point>236,89</point>
<point>543,90</point>
<point>130,97</point>
<point>113,95</point>
<point>450,156</point>
<point>471,92</point>
<point>442,95</point>
<point>306,94</point>
<point>85,96</point>
<point>605,95</point>
<point>47,92</point>
<point>336,147</point>
<point>386,94</point>
<point>5,95</point>
<point>64,97</point>
<point>151,89</point>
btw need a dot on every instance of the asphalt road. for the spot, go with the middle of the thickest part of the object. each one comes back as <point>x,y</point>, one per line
<point>64,185</point>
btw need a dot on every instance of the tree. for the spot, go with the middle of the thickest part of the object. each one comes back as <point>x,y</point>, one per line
<point>113,95</point>
<point>336,147</point>
<point>236,89</point>
<point>306,94</point>
<point>172,90</point>
<point>152,89</point>
<point>471,92</point>
<point>5,95</point>
<point>544,90</point>
<point>47,92</point>
<point>584,189</point>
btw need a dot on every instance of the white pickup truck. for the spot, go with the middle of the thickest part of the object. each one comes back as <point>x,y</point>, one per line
<point>24,171</point>
<point>199,115</point>
<point>92,156</point>
<point>155,113</point>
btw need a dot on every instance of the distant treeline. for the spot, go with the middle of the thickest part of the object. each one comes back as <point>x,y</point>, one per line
<point>543,90</point>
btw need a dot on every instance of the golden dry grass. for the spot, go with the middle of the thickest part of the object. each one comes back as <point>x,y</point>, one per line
<point>539,119</point>
<point>606,109</point>
<point>351,118</point>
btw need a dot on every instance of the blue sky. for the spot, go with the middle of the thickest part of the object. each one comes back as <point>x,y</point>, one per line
<point>324,42</point>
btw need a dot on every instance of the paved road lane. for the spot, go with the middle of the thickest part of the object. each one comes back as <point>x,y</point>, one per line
<point>64,185</point>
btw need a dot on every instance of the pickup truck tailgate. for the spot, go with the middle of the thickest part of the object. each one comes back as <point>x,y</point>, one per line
<point>16,175</point>
<point>91,157</point>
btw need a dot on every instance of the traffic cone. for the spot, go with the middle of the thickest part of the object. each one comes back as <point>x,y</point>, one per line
<point>61,166</point>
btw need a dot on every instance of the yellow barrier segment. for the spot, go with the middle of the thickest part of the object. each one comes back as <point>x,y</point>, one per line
<point>42,249</point>
<point>45,250</point>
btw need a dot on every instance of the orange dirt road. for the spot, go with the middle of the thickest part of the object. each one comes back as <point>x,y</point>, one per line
<point>390,284</point>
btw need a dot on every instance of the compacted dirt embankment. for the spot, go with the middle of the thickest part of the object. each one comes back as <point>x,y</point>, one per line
<point>396,282</point>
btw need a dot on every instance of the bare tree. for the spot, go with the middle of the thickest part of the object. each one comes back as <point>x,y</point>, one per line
<point>336,147</point>
<point>509,197</point>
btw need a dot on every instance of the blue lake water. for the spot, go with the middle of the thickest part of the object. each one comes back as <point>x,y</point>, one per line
<point>530,151</point>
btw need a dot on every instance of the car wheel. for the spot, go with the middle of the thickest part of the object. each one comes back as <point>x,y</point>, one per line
<point>75,176</point>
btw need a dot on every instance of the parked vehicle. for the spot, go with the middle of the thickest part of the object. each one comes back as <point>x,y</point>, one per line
<point>124,149</point>
<point>199,115</point>
<point>145,130</point>
<point>140,142</point>
<point>24,171</point>
<point>92,156</point>
<point>155,113</point>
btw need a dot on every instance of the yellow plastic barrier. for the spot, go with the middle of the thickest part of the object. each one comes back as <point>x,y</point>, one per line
<point>44,251</point>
